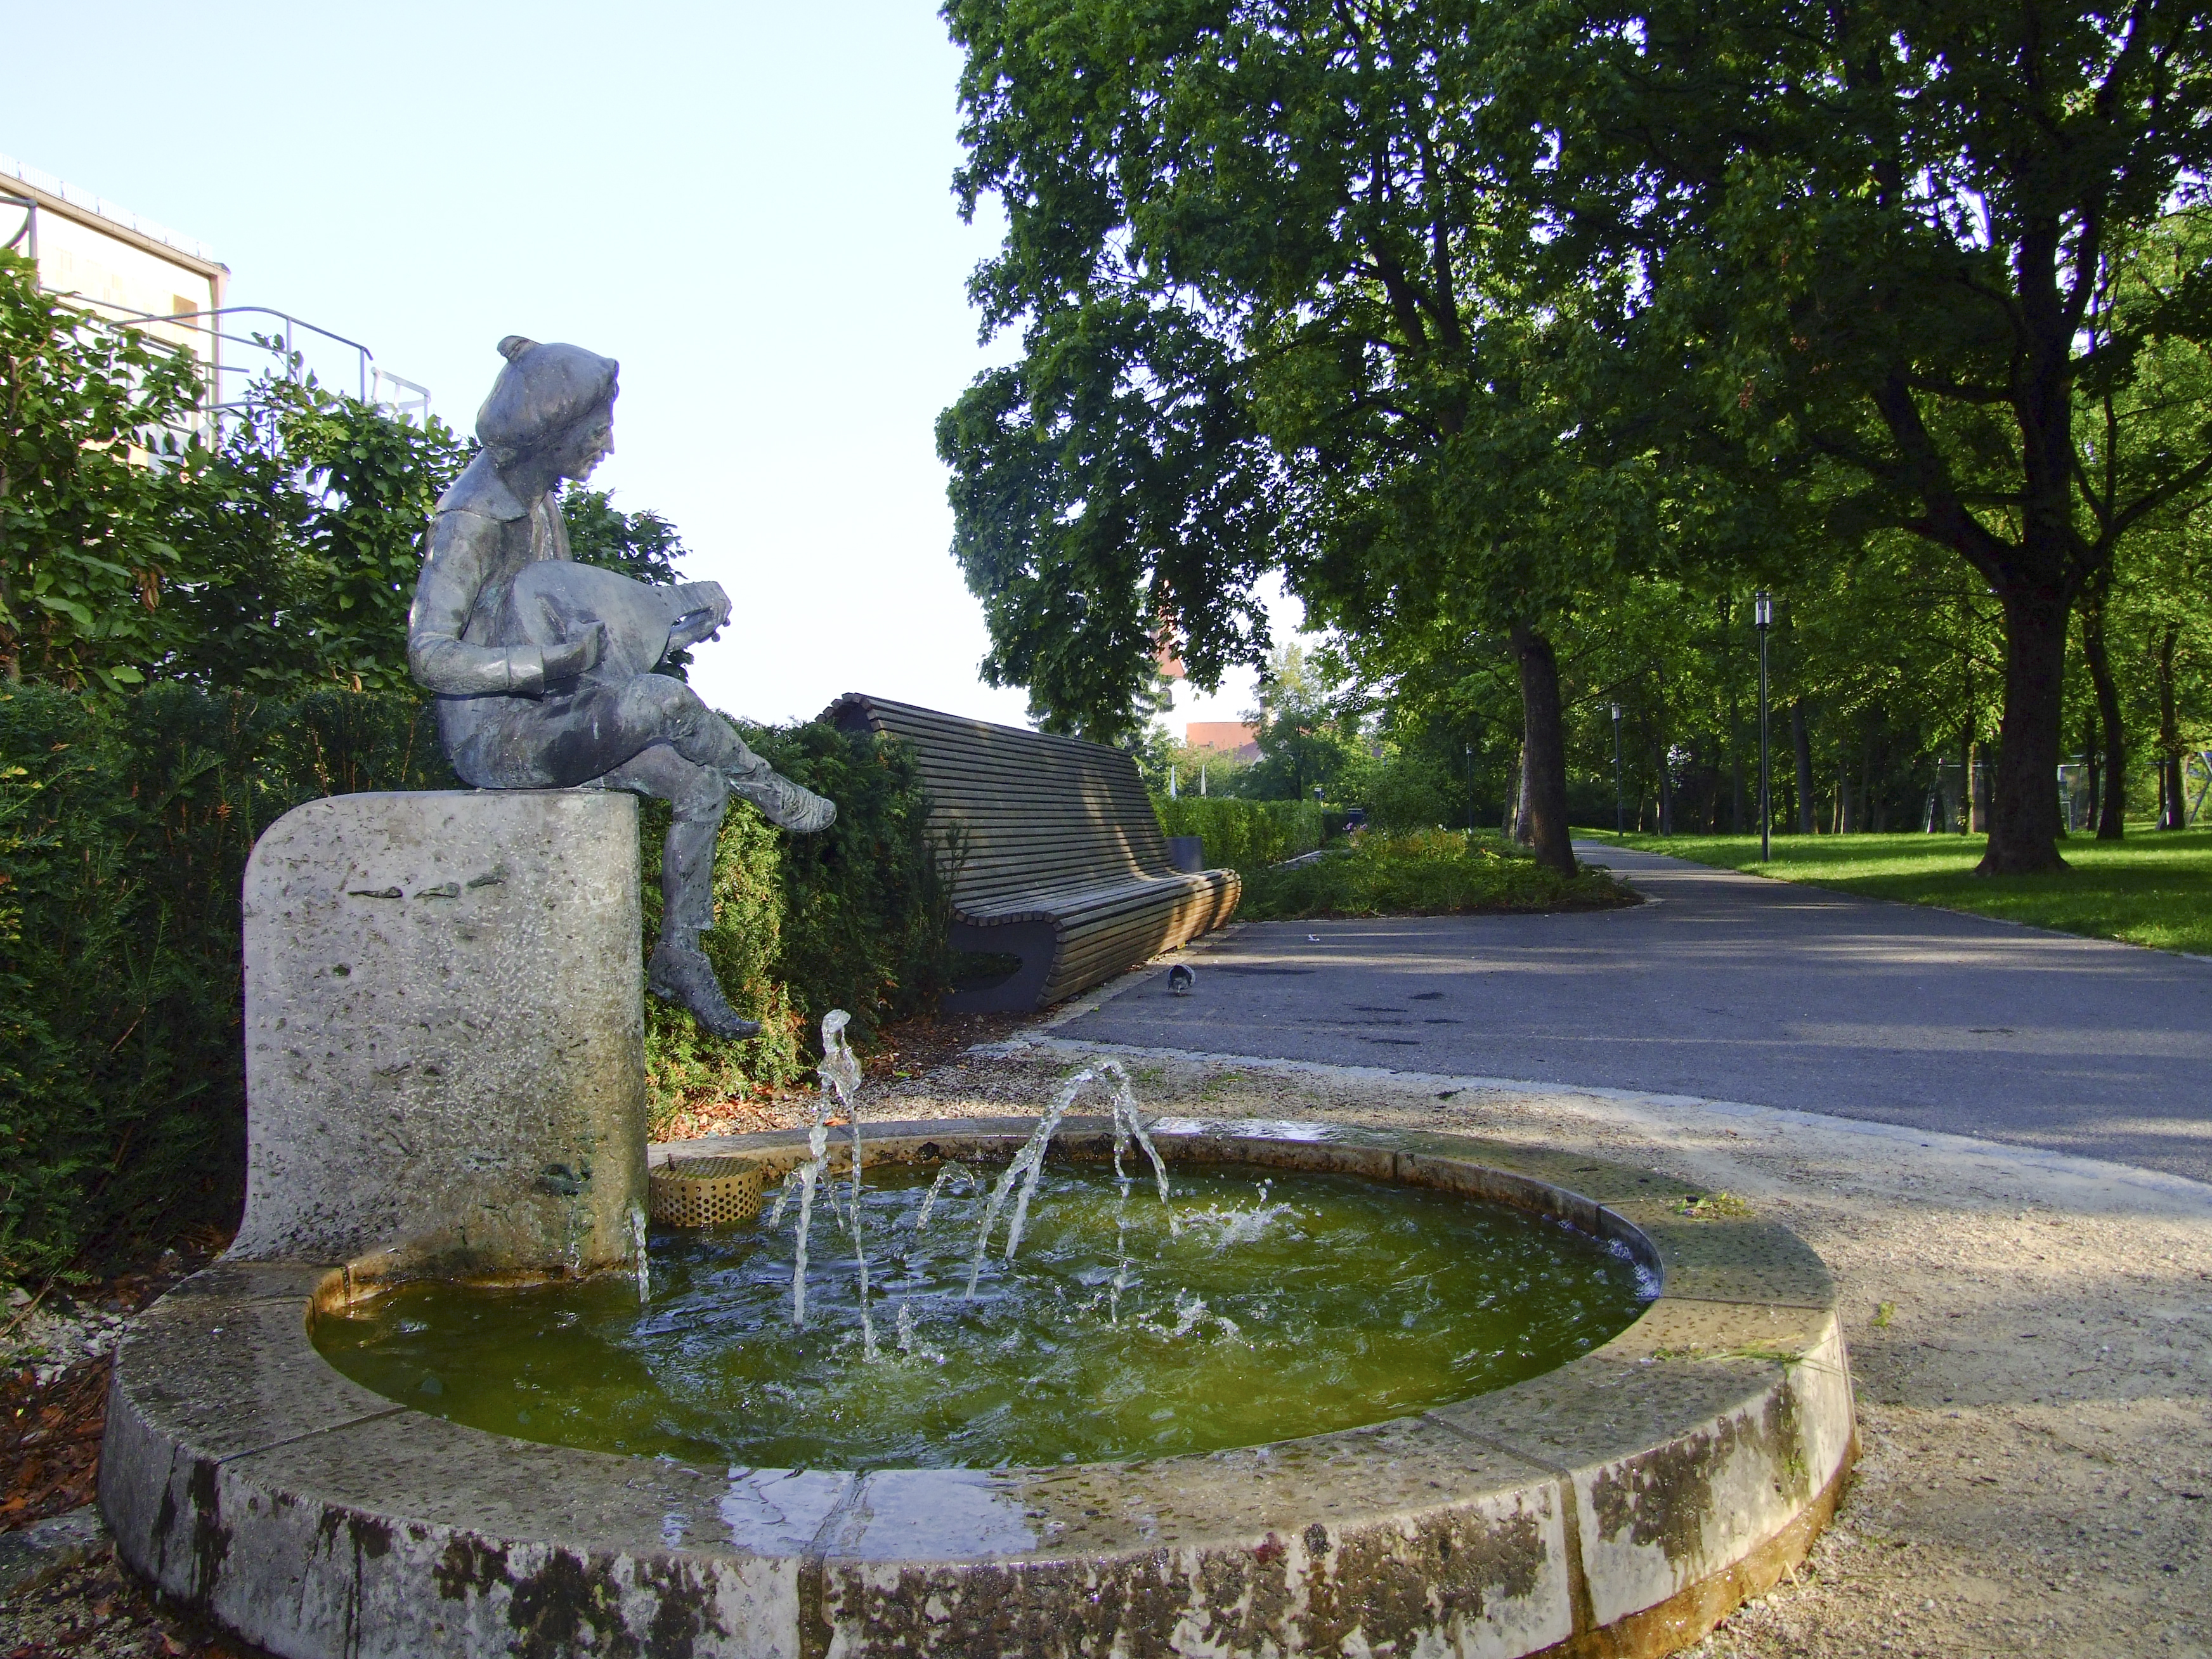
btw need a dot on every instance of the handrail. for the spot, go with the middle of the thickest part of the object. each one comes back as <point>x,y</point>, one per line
<point>372,375</point>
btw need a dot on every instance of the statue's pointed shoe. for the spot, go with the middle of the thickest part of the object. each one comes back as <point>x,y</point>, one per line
<point>783,802</point>
<point>687,979</point>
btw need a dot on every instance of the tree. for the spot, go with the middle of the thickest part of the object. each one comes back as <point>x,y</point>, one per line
<point>1879,234</point>
<point>1279,308</point>
<point>1305,735</point>
<point>2146,411</point>
<point>299,535</point>
<point>83,553</point>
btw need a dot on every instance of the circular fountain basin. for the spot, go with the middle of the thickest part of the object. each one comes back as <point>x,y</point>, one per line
<point>1620,1503</point>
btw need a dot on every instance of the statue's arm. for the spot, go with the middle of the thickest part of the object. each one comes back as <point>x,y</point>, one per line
<point>462,547</point>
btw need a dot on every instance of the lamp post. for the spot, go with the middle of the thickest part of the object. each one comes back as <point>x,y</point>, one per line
<point>1762,618</point>
<point>1470,786</point>
<point>1620,818</point>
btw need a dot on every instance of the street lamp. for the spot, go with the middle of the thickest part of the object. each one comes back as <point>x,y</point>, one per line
<point>1762,618</point>
<point>1470,787</point>
<point>1620,820</point>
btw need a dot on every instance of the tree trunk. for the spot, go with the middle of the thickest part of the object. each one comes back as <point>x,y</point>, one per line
<point>2173,812</point>
<point>1803,739</point>
<point>2093,760</point>
<point>1736,759</point>
<point>2108,783</point>
<point>2024,805</point>
<point>1544,751</point>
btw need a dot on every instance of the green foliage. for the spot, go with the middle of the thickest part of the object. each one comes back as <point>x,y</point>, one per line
<point>641,545</point>
<point>855,918</point>
<point>1243,835</point>
<point>1426,872</point>
<point>867,907</point>
<point>1306,732</point>
<point>1857,227</point>
<point>1490,312</point>
<point>1402,788</point>
<point>125,826</point>
<point>84,545</point>
<point>371,483</point>
<point>300,535</point>
<point>279,557</point>
<point>126,823</point>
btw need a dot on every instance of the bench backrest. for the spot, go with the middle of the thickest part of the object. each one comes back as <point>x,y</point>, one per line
<point>1038,813</point>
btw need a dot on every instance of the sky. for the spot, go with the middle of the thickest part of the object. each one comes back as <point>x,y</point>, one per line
<point>751,206</point>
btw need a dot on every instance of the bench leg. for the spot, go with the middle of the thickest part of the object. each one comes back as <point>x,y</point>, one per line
<point>1022,991</point>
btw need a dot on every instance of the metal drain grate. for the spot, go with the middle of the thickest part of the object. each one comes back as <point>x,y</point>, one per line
<point>705,1192</point>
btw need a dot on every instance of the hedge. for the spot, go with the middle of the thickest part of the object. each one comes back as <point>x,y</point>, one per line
<point>125,826</point>
<point>1243,835</point>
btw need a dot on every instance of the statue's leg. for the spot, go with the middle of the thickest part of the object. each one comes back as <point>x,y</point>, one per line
<point>652,735</point>
<point>700,795</point>
<point>657,709</point>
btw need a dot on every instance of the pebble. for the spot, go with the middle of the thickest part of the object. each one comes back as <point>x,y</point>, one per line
<point>51,1341</point>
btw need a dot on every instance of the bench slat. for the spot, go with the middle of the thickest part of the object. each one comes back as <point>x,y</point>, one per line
<point>1053,829</point>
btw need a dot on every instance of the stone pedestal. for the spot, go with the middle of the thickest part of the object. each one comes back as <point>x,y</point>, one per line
<point>445,1041</point>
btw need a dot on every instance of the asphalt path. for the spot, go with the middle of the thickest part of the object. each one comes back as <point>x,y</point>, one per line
<point>1729,986</point>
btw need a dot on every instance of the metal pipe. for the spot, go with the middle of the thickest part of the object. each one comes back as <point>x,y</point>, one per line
<point>1620,810</point>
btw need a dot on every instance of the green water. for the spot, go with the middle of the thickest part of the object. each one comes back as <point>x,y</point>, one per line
<point>1283,1305</point>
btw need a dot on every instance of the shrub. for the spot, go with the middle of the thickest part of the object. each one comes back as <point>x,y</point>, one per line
<point>1402,789</point>
<point>855,918</point>
<point>1426,872</point>
<point>125,828</point>
<point>1243,835</point>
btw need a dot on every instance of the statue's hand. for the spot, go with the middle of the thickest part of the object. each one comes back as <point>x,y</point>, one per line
<point>566,661</point>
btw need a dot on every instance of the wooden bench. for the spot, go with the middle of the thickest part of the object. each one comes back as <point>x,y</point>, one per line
<point>1061,865</point>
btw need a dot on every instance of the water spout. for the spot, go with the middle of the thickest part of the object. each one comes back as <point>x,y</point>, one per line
<point>1028,1163</point>
<point>840,1072</point>
<point>818,1149</point>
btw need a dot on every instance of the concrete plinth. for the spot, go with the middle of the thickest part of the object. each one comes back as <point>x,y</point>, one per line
<point>445,1042</point>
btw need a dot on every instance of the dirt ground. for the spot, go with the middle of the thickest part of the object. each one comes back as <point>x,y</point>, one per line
<point>2030,1340</point>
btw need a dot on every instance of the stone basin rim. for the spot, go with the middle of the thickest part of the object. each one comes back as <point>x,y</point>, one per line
<point>1620,1503</point>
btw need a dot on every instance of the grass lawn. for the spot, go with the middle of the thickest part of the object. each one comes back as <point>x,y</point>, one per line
<point>1424,872</point>
<point>2155,888</point>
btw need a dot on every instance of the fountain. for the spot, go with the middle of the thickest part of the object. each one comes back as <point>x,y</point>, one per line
<point>449,1394</point>
<point>1610,1488</point>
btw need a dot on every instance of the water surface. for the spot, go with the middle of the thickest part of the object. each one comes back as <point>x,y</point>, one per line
<point>1277,1305</point>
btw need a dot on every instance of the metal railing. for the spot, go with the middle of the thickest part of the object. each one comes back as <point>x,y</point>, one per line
<point>409,400</point>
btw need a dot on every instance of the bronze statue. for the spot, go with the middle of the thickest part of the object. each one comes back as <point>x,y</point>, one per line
<point>544,667</point>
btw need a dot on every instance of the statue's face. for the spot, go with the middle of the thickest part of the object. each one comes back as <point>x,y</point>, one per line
<point>586,443</point>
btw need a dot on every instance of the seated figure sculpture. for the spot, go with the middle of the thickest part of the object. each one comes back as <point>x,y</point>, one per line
<point>544,667</point>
